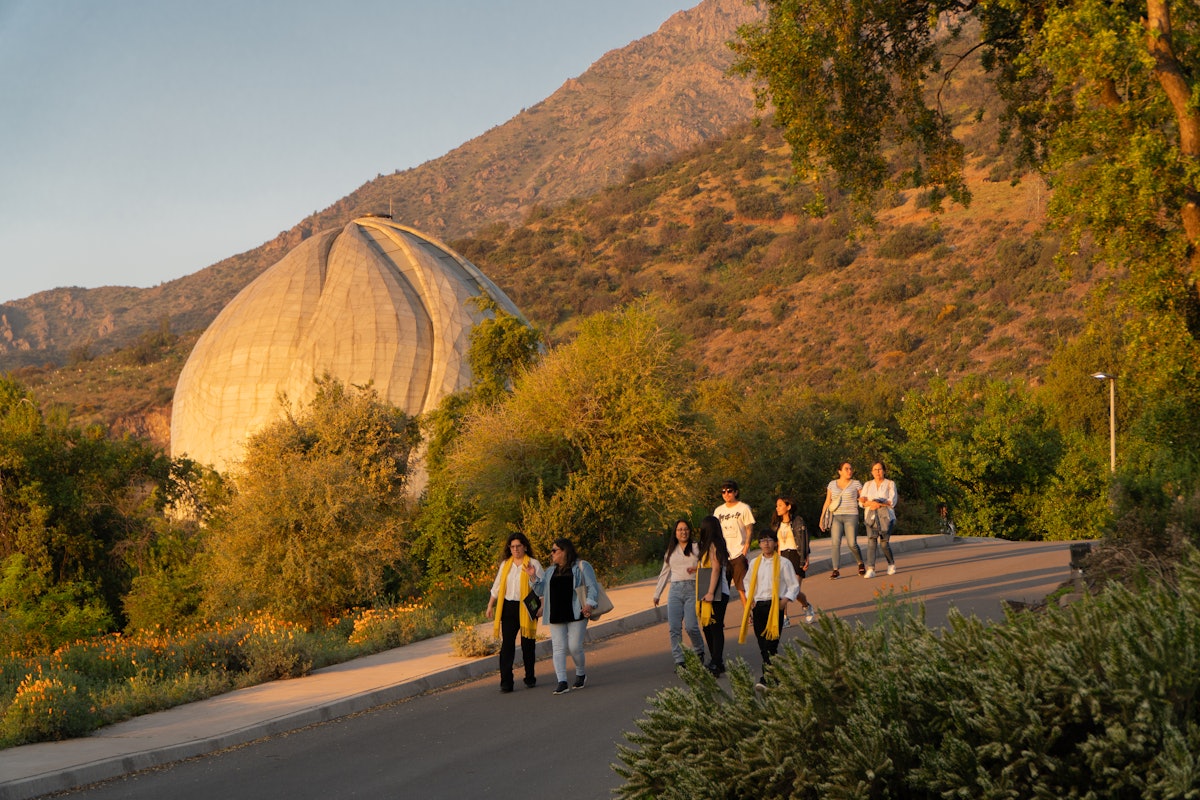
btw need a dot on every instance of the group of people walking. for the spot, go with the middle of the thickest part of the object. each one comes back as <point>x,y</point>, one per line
<point>697,572</point>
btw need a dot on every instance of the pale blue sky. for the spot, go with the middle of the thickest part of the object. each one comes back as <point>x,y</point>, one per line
<point>142,140</point>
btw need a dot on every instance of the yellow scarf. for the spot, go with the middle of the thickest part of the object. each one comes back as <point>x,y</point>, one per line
<point>528,623</point>
<point>772,631</point>
<point>703,607</point>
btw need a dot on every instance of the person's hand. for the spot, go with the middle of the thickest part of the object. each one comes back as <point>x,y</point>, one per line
<point>587,611</point>
<point>489,611</point>
<point>708,598</point>
<point>656,601</point>
<point>691,570</point>
<point>531,570</point>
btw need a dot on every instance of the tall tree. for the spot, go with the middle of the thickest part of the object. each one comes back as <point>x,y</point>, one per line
<point>315,526</point>
<point>1103,96</point>
<point>76,509</point>
<point>598,442</point>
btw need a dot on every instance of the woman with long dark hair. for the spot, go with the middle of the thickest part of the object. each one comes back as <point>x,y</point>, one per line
<point>712,591</point>
<point>679,569</point>
<point>792,534</point>
<point>565,611</point>
<point>517,574</point>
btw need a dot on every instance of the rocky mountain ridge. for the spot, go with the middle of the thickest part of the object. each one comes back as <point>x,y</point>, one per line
<point>660,94</point>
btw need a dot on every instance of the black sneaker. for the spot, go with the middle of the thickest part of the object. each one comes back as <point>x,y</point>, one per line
<point>505,688</point>
<point>562,688</point>
<point>530,683</point>
<point>580,681</point>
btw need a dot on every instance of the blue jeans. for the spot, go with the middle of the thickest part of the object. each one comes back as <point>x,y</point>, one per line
<point>878,537</point>
<point>844,524</point>
<point>566,636</point>
<point>681,613</point>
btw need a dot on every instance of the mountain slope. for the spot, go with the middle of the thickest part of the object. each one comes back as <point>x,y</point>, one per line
<point>643,102</point>
<point>715,241</point>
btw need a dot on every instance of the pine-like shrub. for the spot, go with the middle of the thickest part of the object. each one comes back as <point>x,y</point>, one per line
<point>1099,699</point>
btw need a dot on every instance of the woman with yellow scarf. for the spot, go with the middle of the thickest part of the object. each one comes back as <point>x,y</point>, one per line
<point>518,572</point>
<point>770,585</point>
<point>712,591</point>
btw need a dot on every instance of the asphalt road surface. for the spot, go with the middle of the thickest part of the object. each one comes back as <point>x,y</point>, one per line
<point>470,741</point>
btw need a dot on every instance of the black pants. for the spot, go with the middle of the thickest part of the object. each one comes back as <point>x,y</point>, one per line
<point>761,613</point>
<point>714,633</point>
<point>510,628</point>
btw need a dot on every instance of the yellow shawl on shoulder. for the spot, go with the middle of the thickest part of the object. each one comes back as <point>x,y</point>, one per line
<point>528,623</point>
<point>772,631</point>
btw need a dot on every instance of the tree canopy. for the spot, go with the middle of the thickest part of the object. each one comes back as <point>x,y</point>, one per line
<point>593,443</point>
<point>314,525</point>
<point>1103,95</point>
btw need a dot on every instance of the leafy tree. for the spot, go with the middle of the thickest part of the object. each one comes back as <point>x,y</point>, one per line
<point>76,508</point>
<point>595,443</point>
<point>314,526</point>
<point>988,449</point>
<point>502,348</point>
<point>1101,94</point>
<point>789,440</point>
<point>847,79</point>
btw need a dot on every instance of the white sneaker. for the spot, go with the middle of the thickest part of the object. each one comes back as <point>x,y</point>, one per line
<point>787,623</point>
<point>891,569</point>
<point>870,573</point>
<point>810,614</point>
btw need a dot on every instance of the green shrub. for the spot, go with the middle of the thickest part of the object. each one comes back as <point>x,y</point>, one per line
<point>908,240</point>
<point>834,254</point>
<point>275,650</point>
<point>46,707</point>
<point>1098,699</point>
<point>756,203</point>
<point>468,642</point>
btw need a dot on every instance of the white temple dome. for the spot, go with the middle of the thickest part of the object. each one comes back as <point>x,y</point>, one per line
<point>374,302</point>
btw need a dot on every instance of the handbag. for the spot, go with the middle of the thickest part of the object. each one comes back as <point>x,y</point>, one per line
<point>835,502</point>
<point>603,604</point>
<point>533,603</point>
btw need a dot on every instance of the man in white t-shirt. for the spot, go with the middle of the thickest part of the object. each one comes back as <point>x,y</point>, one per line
<point>737,525</point>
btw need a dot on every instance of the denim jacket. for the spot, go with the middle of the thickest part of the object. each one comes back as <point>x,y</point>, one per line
<point>583,575</point>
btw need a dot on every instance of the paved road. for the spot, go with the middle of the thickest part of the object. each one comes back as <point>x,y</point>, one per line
<point>468,741</point>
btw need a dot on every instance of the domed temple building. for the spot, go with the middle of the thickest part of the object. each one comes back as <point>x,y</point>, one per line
<point>373,302</point>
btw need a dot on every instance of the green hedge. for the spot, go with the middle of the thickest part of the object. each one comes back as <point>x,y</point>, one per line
<point>1095,700</point>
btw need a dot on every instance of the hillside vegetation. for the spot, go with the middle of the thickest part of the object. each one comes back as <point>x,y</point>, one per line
<point>719,241</point>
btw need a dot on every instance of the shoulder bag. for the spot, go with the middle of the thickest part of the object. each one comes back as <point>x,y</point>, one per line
<point>603,604</point>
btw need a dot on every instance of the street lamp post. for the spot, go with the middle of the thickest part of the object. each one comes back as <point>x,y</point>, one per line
<point>1112,417</point>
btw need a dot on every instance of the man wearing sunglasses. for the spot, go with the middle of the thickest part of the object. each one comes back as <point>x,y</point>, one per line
<point>737,526</point>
